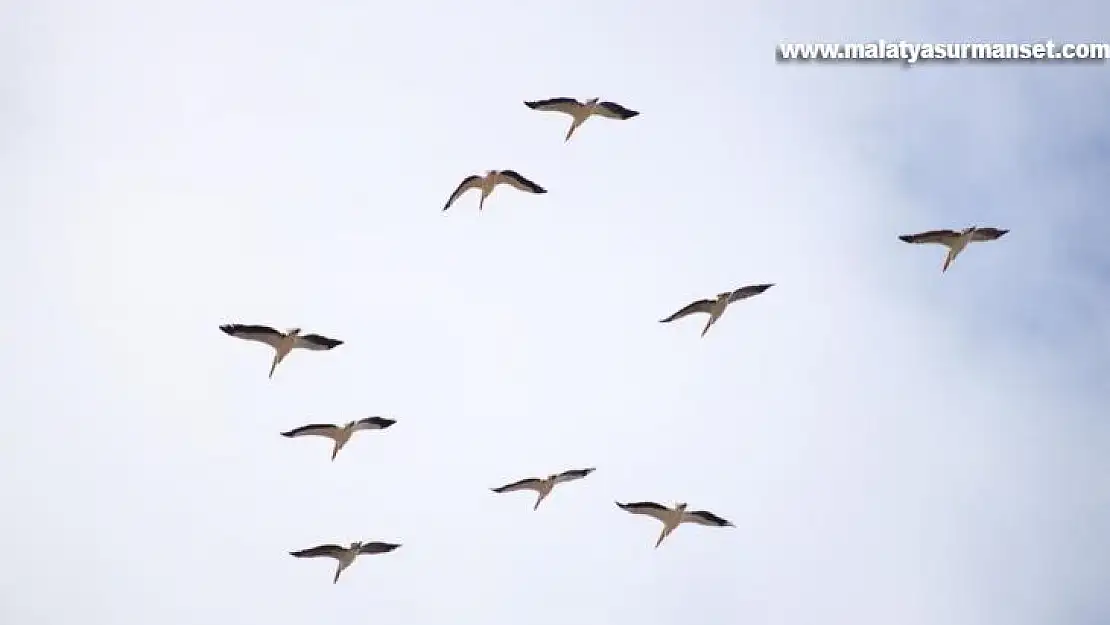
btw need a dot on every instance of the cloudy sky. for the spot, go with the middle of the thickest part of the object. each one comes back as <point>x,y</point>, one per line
<point>894,445</point>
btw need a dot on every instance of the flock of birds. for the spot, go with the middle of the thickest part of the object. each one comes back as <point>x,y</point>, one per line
<point>283,343</point>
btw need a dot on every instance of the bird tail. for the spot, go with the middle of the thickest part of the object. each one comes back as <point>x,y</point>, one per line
<point>274,364</point>
<point>338,570</point>
<point>335,451</point>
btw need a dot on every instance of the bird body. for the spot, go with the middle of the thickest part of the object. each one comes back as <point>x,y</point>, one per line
<point>283,343</point>
<point>716,307</point>
<point>955,241</point>
<point>544,486</point>
<point>489,181</point>
<point>673,517</point>
<point>340,434</point>
<point>345,556</point>
<point>581,111</point>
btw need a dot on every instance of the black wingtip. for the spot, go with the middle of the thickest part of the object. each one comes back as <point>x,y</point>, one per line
<point>905,238</point>
<point>288,434</point>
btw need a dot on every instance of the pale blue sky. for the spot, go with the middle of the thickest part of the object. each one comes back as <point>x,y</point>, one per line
<point>894,445</point>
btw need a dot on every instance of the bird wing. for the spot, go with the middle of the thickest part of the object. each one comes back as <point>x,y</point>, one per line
<point>932,236</point>
<point>520,182</point>
<point>649,508</point>
<point>987,234</point>
<point>262,334</point>
<point>613,110</point>
<point>700,306</point>
<point>373,423</point>
<point>316,342</point>
<point>525,484</point>
<point>468,183</point>
<point>748,291</point>
<point>563,105</point>
<point>372,548</point>
<point>323,551</point>
<point>315,429</point>
<point>571,475</point>
<point>702,517</point>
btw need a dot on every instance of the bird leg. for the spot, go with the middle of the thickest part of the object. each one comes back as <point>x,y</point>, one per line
<point>540,498</point>
<point>573,126</point>
<point>666,532</point>
<point>948,259</point>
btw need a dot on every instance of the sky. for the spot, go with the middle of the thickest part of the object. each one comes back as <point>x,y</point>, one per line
<point>894,444</point>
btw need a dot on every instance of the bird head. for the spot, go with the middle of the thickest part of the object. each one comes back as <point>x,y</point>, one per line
<point>592,100</point>
<point>680,505</point>
<point>355,546</point>
<point>293,331</point>
<point>969,229</point>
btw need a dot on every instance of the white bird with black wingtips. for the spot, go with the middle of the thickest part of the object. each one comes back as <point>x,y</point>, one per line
<point>956,242</point>
<point>716,307</point>
<point>673,517</point>
<point>545,485</point>
<point>581,111</point>
<point>345,555</point>
<point>488,182</point>
<point>281,342</point>
<point>340,434</point>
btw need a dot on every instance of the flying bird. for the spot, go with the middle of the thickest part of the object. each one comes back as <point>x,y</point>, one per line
<point>282,342</point>
<point>489,182</point>
<point>716,307</point>
<point>545,485</point>
<point>956,242</point>
<point>340,434</point>
<point>581,111</point>
<point>673,517</point>
<point>345,555</point>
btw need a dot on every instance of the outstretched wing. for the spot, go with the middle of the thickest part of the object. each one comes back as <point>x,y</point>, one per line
<point>932,236</point>
<point>316,342</point>
<point>562,105</point>
<point>468,183</point>
<point>525,484</point>
<point>649,508</point>
<point>315,429</point>
<point>748,291</point>
<point>987,234</point>
<point>573,474</point>
<point>262,334</point>
<point>700,306</point>
<point>372,548</point>
<point>702,517</point>
<point>373,423</point>
<point>613,110</point>
<point>519,181</point>
<point>323,551</point>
